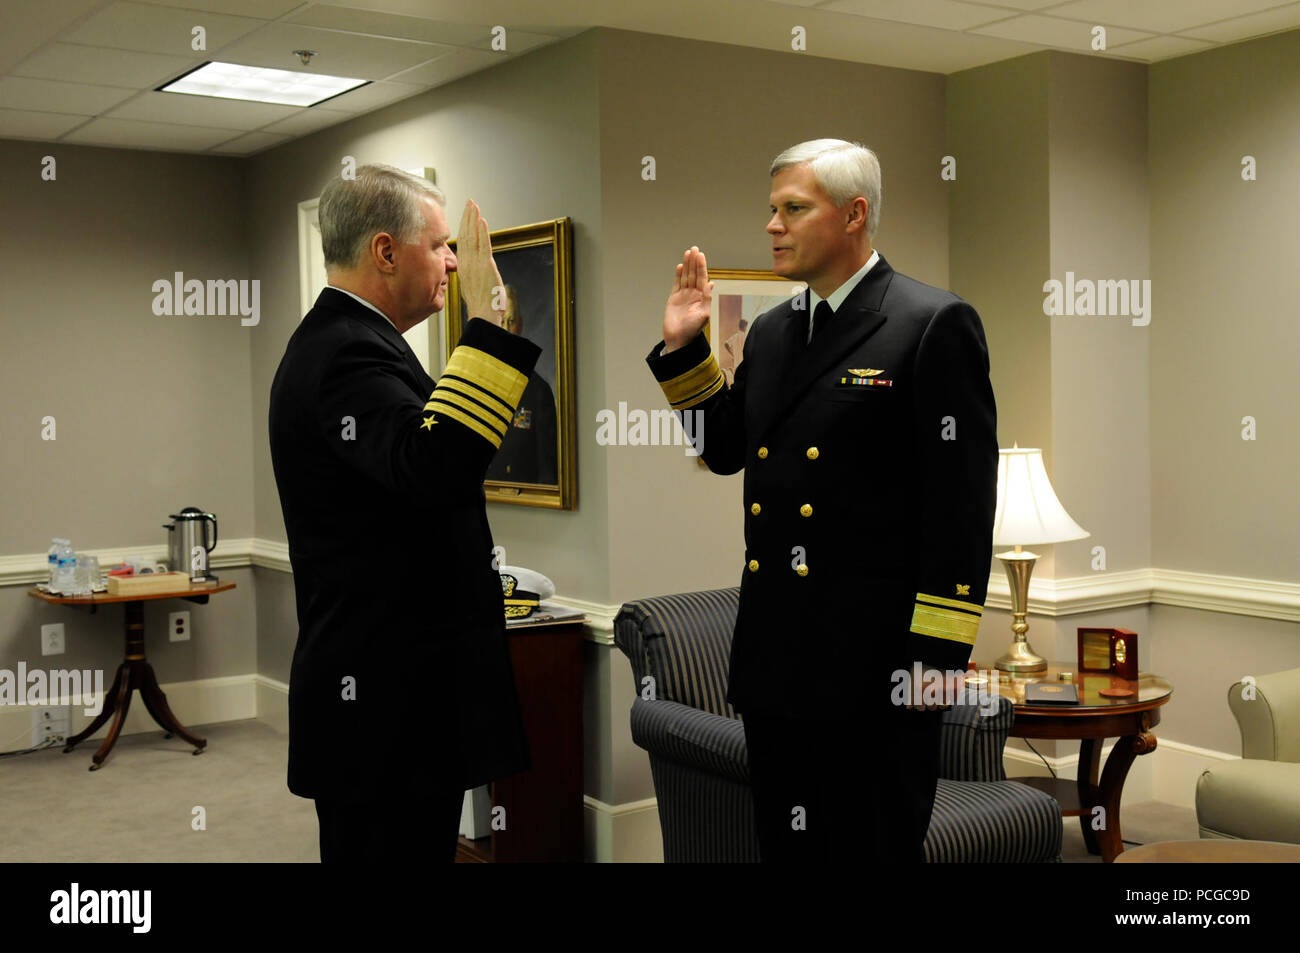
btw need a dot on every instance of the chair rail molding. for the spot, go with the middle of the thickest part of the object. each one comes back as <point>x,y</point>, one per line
<point>1235,595</point>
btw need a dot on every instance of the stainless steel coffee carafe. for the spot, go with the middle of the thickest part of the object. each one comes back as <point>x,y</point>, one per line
<point>190,529</point>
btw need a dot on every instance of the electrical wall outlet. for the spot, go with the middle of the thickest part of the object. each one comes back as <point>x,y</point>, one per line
<point>178,626</point>
<point>50,723</point>
<point>52,640</point>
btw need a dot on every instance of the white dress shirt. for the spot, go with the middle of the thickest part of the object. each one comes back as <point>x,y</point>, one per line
<point>839,294</point>
<point>365,302</point>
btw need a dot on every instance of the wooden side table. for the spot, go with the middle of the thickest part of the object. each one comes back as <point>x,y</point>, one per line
<point>135,672</point>
<point>544,804</point>
<point>1092,721</point>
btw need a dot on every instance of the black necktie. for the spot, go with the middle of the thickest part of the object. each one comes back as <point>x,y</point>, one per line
<point>821,315</point>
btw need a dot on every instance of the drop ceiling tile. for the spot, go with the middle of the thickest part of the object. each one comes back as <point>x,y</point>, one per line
<point>1164,16</point>
<point>338,54</point>
<point>131,134</point>
<point>1065,34</point>
<point>446,68</point>
<point>947,14</point>
<point>392,25</point>
<point>517,41</point>
<point>27,25</point>
<point>1257,24</point>
<point>249,143</point>
<point>187,110</point>
<point>262,9</point>
<point>150,29</point>
<point>23,124</point>
<point>309,120</point>
<point>47,95</point>
<point>371,97</point>
<point>1160,48</point>
<point>74,63</point>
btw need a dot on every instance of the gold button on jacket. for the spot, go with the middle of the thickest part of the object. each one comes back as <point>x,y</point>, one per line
<point>762,453</point>
<point>805,510</point>
<point>812,453</point>
<point>801,569</point>
<point>755,509</point>
<point>753,565</point>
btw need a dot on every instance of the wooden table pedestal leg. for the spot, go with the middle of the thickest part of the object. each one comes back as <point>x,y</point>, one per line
<point>135,672</point>
<point>1106,792</point>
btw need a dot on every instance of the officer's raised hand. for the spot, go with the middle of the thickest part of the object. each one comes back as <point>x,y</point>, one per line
<point>690,301</point>
<point>480,282</point>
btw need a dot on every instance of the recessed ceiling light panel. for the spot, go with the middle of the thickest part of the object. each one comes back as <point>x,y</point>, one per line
<point>260,85</point>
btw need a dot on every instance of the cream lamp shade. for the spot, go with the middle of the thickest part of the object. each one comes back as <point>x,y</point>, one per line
<point>1028,511</point>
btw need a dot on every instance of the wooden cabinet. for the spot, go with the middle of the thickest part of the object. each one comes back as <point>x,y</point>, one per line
<point>543,806</point>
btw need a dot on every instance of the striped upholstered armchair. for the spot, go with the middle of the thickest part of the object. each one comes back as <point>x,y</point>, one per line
<point>697,750</point>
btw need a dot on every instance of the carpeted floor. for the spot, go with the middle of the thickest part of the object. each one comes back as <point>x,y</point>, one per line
<point>140,805</point>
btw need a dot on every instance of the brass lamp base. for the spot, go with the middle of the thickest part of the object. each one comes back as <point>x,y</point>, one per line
<point>1020,659</point>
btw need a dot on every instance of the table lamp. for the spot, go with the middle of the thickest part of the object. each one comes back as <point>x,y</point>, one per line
<point>1028,513</point>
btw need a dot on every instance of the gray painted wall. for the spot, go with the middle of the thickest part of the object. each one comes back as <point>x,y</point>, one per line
<point>150,411</point>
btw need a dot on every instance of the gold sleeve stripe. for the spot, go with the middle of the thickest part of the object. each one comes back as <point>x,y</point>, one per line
<point>473,399</point>
<point>475,392</point>
<point>473,423</point>
<point>945,624</point>
<point>950,603</point>
<point>443,396</point>
<point>492,374</point>
<point>698,384</point>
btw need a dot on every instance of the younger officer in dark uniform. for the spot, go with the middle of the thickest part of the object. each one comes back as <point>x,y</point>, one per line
<point>864,420</point>
<point>401,694</point>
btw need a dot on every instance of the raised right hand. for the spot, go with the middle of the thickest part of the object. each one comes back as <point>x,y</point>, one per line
<point>480,281</point>
<point>690,301</point>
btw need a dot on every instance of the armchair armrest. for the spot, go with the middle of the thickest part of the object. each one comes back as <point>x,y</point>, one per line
<point>689,736</point>
<point>971,741</point>
<point>1270,722</point>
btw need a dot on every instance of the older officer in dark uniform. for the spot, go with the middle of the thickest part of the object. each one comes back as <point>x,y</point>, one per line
<point>863,417</point>
<point>401,693</point>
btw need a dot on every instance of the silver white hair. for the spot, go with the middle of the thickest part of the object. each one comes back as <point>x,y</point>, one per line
<point>844,169</point>
<point>381,198</point>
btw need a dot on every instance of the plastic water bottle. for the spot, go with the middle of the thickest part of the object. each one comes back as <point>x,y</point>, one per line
<point>67,571</point>
<point>53,560</point>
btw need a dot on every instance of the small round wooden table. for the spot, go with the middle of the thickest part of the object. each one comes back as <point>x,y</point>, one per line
<point>1094,719</point>
<point>135,670</point>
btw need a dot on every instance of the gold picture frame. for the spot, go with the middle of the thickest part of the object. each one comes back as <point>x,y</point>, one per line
<point>531,468</point>
<point>739,296</point>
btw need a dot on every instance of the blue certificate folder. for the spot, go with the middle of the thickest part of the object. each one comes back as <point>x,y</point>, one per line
<point>1051,693</point>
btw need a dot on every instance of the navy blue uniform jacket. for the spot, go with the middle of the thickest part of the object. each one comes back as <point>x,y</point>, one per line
<point>401,676</point>
<point>870,464</point>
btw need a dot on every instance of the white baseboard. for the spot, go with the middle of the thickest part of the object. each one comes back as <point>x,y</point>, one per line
<point>200,702</point>
<point>622,833</point>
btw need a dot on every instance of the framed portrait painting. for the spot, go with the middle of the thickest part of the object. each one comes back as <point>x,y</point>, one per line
<point>537,462</point>
<point>738,298</point>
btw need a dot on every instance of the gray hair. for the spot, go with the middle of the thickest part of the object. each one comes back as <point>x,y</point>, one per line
<point>380,198</point>
<point>844,169</point>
